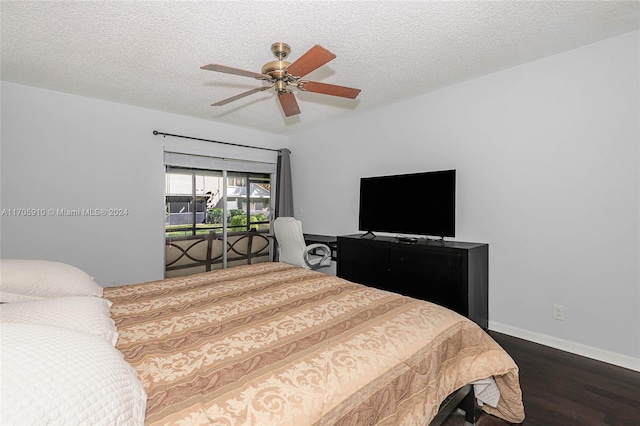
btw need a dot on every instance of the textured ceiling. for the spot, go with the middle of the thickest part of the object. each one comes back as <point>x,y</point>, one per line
<point>149,53</point>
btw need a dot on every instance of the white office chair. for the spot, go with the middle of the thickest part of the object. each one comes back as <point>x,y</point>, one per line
<point>292,248</point>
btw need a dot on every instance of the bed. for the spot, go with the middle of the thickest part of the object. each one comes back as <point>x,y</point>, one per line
<point>274,344</point>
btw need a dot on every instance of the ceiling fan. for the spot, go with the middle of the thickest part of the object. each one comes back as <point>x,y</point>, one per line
<point>282,74</point>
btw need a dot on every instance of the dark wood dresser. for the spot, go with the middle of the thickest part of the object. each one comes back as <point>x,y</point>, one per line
<point>453,274</point>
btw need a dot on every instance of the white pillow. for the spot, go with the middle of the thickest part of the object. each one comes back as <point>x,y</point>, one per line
<point>25,279</point>
<point>84,313</point>
<point>53,375</point>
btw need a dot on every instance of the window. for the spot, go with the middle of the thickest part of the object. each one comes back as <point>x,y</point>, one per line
<point>195,201</point>
<point>249,201</point>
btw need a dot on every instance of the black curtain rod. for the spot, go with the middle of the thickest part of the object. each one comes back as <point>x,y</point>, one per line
<point>155,132</point>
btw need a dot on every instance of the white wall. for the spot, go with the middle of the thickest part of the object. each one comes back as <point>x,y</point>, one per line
<point>547,158</point>
<point>61,151</point>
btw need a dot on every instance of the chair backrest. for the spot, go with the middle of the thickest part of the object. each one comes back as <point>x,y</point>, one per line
<point>291,244</point>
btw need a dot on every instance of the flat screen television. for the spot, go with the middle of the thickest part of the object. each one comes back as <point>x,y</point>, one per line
<point>416,203</point>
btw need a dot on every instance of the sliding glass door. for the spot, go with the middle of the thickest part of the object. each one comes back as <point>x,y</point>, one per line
<point>215,219</point>
<point>217,211</point>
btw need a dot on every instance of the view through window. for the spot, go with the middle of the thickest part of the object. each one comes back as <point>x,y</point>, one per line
<point>195,201</point>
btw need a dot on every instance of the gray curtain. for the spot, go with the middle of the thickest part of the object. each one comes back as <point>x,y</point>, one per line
<point>284,191</point>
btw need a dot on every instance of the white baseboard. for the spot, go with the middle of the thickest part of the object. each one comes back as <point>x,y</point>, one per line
<point>609,357</point>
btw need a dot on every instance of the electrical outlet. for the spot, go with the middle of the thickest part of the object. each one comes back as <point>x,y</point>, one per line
<point>558,312</point>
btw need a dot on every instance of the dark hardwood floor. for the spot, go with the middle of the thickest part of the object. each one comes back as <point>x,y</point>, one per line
<point>563,389</point>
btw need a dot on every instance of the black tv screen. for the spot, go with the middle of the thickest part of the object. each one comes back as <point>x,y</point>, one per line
<point>417,203</point>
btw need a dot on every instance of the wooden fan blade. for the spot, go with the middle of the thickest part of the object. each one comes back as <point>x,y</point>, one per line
<point>235,71</point>
<point>288,103</point>
<point>329,89</point>
<point>314,58</point>
<point>241,95</point>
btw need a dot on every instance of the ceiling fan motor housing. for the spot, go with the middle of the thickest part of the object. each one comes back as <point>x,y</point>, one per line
<point>275,69</point>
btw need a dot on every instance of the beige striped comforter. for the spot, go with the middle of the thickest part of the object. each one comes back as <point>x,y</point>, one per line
<point>273,344</point>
